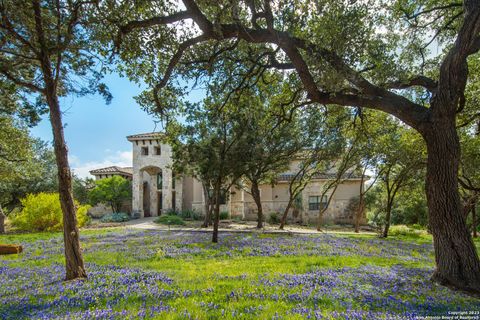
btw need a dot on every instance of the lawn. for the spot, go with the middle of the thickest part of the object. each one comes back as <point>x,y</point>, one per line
<point>181,275</point>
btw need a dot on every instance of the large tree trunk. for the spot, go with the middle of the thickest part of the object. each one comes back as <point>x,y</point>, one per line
<point>285,214</point>
<point>216,217</point>
<point>457,263</point>
<point>73,253</point>
<point>474,220</point>
<point>2,220</point>
<point>256,197</point>
<point>388,217</point>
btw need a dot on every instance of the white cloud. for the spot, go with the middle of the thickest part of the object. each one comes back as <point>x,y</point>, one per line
<point>117,158</point>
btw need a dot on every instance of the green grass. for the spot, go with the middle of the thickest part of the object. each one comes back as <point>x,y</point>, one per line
<point>226,275</point>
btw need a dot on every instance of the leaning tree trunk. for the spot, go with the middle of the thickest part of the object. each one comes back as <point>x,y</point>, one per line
<point>73,253</point>
<point>457,263</point>
<point>216,216</point>
<point>256,197</point>
<point>2,220</point>
<point>285,214</point>
<point>321,212</point>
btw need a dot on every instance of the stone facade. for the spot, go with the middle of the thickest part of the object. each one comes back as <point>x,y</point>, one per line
<point>156,189</point>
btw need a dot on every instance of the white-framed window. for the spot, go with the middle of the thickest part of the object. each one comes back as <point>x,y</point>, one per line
<point>314,202</point>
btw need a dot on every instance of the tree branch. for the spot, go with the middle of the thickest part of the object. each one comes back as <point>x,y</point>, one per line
<point>20,82</point>
<point>136,24</point>
<point>370,95</point>
<point>420,81</point>
<point>173,63</point>
<point>438,8</point>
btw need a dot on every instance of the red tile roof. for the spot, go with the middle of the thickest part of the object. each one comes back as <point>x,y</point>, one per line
<point>113,170</point>
<point>145,136</point>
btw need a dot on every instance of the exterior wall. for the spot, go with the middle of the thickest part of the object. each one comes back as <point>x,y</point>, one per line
<point>189,191</point>
<point>109,175</point>
<point>187,187</point>
<point>275,199</point>
<point>101,209</point>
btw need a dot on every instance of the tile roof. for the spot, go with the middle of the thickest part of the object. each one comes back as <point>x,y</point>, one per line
<point>113,170</point>
<point>145,136</point>
<point>319,176</point>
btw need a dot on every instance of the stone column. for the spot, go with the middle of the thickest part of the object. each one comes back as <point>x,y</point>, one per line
<point>137,192</point>
<point>153,195</point>
<point>167,189</point>
<point>179,193</point>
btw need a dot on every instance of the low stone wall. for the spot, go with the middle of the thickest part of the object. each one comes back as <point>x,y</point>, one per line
<point>101,209</point>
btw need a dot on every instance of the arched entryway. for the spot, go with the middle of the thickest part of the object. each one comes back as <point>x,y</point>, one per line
<point>148,191</point>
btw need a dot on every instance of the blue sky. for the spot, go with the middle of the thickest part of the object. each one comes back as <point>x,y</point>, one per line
<point>95,132</point>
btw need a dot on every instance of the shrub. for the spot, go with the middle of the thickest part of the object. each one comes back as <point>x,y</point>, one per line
<point>189,214</point>
<point>403,230</point>
<point>274,218</point>
<point>223,215</point>
<point>172,212</point>
<point>376,219</point>
<point>115,217</point>
<point>43,212</point>
<point>170,220</point>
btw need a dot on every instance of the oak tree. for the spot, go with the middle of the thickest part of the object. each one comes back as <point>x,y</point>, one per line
<point>368,54</point>
<point>45,53</point>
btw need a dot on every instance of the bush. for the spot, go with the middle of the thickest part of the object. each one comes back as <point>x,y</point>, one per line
<point>223,215</point>
<point>116,217</point>
<point>376,219</point>
<point>43,212</point>
<point>403,230</point>
<point>170,220</point>
<point>189,214</point>
<point>172,212</point>
<point>274,218</point>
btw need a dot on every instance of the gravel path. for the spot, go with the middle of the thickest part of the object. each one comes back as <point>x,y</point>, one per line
<point>232,226</point>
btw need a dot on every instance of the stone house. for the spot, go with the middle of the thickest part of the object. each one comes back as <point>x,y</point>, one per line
<point>157,189</point>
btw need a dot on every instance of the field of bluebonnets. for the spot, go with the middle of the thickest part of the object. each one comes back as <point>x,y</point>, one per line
<point>181,275</point>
